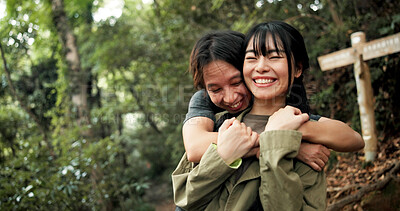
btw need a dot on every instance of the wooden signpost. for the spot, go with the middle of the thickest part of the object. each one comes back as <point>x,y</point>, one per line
<point>357,54</point>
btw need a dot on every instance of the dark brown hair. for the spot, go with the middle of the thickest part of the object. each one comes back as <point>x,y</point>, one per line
<point>214,46</point>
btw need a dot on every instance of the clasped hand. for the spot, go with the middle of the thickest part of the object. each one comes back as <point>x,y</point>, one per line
<point>236,140</point>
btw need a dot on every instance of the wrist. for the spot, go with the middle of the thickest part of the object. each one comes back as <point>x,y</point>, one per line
<point>300,155</point>
<point>307,130</point>
<point>227,160</point>
<point>223,156</point>
<point>233,163</point>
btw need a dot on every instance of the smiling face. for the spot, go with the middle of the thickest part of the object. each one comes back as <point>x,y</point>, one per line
<point>267,76</point>
<point>225,86</point>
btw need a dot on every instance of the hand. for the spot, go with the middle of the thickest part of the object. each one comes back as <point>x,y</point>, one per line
<point>288,118</point>
<point>253,152</point>
<point>314,155</point>
<point>235,140</point>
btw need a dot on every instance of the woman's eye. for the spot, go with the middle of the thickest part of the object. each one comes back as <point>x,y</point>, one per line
<point>250,58</point>
<point>275,57</point>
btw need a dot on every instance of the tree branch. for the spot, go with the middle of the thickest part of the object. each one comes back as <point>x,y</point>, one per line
<point>306,15</point>
<point>23,105</point>
<point>148,115</point>
<point>366,189</point>
<point>156,7</point>
<point>334,13</point>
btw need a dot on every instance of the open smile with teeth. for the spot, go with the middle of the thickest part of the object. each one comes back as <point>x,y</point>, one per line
<point>235,105</point>
<point>264,81</point>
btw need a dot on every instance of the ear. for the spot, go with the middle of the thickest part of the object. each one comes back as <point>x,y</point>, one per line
<point>299,70</point>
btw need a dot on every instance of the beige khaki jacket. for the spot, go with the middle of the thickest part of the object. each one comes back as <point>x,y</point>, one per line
<point>280,181</point>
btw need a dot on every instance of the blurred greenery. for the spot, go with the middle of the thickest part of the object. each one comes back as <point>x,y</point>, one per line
<point>135,69</point>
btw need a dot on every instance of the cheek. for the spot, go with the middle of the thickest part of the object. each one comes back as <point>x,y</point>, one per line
<point>215,98</point>
<point>246,70</point>
<point>284,73</point>
<point>247,77</point>
<point>247,80</point>
<point>249,83</point>
<point>243,90</point>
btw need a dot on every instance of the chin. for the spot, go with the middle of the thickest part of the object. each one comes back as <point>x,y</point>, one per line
<point>265,97</point>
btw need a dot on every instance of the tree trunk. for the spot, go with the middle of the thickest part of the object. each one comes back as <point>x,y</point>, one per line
<point>77,77</point>
<point>78,86</point>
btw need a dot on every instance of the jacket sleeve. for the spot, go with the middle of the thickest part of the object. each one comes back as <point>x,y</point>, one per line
<point>284,185</point>
<point>194,188</point>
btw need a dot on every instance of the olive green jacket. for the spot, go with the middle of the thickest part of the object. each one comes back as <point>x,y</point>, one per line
<point>280,181</point>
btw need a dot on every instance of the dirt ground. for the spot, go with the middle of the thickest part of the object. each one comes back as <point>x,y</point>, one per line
<point>349,173</point>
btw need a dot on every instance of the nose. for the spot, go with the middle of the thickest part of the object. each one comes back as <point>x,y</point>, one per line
<point>229,96</point>
<point>262,65</point>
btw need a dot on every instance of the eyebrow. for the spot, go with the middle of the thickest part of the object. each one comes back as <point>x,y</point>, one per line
<point>211,85</point>
<point>234,77</point>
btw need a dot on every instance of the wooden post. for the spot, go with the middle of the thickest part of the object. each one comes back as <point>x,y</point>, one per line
<point>357,54</point>
<point>365,98</point>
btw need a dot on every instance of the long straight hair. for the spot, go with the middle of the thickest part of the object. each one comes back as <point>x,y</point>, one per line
<point>291,42</point>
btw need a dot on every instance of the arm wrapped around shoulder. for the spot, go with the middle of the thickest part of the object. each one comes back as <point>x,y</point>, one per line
<point>284,184</point>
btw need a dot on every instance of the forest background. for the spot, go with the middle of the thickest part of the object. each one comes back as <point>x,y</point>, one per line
<point>91,106</point>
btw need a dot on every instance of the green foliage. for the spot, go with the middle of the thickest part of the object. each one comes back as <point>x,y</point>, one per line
<point>11,119</point>
<point>39,86</point>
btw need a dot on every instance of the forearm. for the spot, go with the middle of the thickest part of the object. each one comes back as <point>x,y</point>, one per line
<point>197,146</point>
<point>303,187</point>
<point>277,151</point>
<point>333,134</point>
<point>194,188</point>
<point>197,136</point>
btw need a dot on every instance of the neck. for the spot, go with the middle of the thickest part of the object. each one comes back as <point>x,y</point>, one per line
<point>267,107</point>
